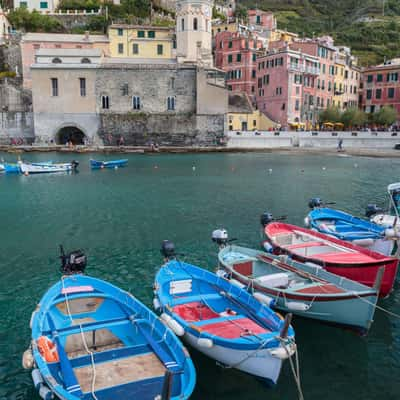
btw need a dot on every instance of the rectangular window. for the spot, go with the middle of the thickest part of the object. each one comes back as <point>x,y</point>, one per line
<point>124,89</point>
<point>120,48</point>
<point>369,94</point>
<point>379,78</point>
<point>120,31</point>
<point>229,45</point>
<point>23,4</point>
<point>43,5</point>
<point>54,87</point>
<point>238,57</point>
<point>254,56</point>
<point>136,102</point>
<point>370,78</point>
<point>105,102</point>
<point>229,58</point>
<point>135,48</point>
<point>140,34</point>
<point>297,105</point>
<point>82,86</point>
<point>171,103</point>
<point>160,49</point>
<point>253,74</point>
<point>391,93</point>
<point>151,34</point>
<point>258,19</point>
<point>378,94</point>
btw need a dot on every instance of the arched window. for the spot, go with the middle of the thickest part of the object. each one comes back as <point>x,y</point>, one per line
<point>182,24</point>
<point>136,102</point>
<point>56,60</point>
<point>195,24</point>
<point>171,103</point>
<point>85,60</point>
<point>105,102</point>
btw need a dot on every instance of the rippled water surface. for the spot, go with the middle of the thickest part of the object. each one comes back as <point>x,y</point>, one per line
<point>120,217</point>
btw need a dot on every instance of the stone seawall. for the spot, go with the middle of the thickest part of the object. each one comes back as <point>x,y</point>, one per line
<point>312,140</point>
<point>16,127</point>
<point>138,129</point>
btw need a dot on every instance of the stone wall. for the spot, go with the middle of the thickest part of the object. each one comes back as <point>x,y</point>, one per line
<point>166,129</point>
<point>16,126</point>
<point>10,58</point>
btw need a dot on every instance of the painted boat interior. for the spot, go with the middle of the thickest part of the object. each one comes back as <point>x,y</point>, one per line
<point>125,362</point>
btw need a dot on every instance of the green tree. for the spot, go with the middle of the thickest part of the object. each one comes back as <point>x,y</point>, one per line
<point>21,18</point>
<point>386,116</point>
<point>241,13</point>
<point>353,117</point>
<point>330,114</point>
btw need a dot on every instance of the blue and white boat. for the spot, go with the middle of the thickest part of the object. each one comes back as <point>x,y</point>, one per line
<point>223,321</point>
<point>92,340</point>
<point>12,168</point>
<point>108,164</point>
<point>346,227</point>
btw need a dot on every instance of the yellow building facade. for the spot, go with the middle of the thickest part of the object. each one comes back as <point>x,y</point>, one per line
<point>219,26</point>
<point>249,121</point>
<point>148,42</point>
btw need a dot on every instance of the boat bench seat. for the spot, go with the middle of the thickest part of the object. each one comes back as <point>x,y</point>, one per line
<point>194,298</point>
<point>305,244</point>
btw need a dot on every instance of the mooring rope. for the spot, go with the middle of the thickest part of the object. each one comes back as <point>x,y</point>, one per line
<point>83,341</point>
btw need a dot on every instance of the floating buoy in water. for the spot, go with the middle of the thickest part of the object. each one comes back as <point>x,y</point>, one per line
<point>323,168</point>
<point>26,173</point>
<point>270,170</point>
<point>116,167</point>
<point>156,166</point>
<point>194,168</point>
<point>102,167</point>
<point>355,165</point>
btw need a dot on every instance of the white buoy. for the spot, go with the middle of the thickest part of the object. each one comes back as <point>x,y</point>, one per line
<point>156,303</point>
<point>296,306</point>
<point>27,359</point>
<point>116,167</point>
<point>176,327</point>
<point>262,298</point>
<point>270,170</point>
<point>323,168</point>
<point>194,168</point>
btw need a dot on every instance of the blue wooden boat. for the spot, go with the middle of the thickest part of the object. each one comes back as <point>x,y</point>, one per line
<point>12,168</point>
<point>303,289</point>
<point>222,320</point>
<point>91,339</point>
<point>345,226</point>
<point>108,164</point>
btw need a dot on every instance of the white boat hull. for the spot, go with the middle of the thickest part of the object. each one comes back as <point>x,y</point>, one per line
<point>387,220</point>
<point>42,169</point>
<point>258,363</point>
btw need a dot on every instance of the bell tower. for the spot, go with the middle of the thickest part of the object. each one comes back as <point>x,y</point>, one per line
<point>193,31</point>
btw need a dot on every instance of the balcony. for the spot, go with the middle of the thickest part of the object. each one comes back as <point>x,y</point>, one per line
<point>304,69</point>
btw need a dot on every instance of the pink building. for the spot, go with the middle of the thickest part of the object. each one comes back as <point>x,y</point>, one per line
<point>381,87</point>
<point>261,20</point>
<point>323,49</point>
<point>236,54</point>
<point>32,41</point>
<point>287,85</point>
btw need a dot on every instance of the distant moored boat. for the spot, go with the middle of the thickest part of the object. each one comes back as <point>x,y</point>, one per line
<point>95,164</point>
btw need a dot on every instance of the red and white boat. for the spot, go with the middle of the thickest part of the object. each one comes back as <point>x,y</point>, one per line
<point>336,256</point>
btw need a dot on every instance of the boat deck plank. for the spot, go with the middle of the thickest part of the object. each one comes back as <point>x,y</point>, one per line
<point>119,372</point>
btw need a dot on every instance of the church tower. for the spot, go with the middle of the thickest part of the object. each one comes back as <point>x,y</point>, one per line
<point>193,31</point>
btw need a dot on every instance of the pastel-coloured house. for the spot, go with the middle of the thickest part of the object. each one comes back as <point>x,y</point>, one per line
<point>5,26</point>
<point>31,42</point>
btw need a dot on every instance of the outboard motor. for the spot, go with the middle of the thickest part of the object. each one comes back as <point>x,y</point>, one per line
<point>371,210</point>
<point>74,164</point>
<point>220,236</point>
<point>168,249</point>
<point>266,218</point>
<point>315,202</point>
<point>73,262</point>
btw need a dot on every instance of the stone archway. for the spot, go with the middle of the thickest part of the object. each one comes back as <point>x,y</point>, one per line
<point>70,134</point>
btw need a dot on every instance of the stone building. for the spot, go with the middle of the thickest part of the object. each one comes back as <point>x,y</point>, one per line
<point>101,100</point>
<point>5,27</point>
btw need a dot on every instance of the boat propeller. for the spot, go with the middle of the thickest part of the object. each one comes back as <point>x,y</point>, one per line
<point>317,202</point>
<point>73,262</point>
<point>266,218</point>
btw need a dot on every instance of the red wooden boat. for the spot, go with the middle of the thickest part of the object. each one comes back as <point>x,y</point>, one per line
<point>336,256</point>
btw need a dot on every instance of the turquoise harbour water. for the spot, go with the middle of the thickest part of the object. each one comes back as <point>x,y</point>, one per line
<point>120,218</point>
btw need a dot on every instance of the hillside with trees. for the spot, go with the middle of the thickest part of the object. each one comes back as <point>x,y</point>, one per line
<point>370,27</point>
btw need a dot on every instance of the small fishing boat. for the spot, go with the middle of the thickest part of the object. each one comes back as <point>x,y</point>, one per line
<point>12,168</point>
<point>92,340</point>
<point>391,218</point>
<point>305,290</point>
<point>108,164</point>
<point>336,256</point>
<point>345,226</point>
<point>221,320</point>
<point>44,168</point>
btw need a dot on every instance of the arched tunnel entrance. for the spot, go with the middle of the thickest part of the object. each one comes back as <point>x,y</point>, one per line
<point>70,134</point>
